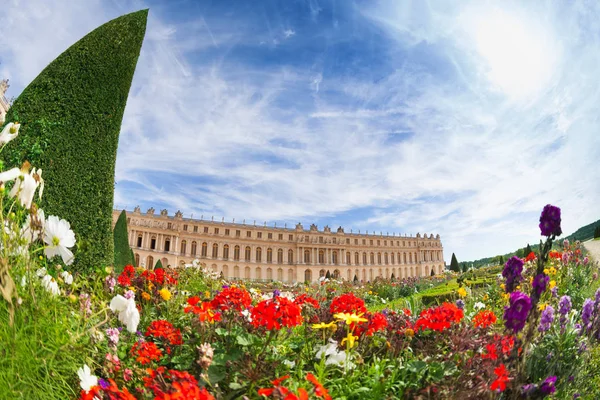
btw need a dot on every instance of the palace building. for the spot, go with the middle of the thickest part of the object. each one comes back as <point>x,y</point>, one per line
<point>254,252</point>
<point>4,104</point>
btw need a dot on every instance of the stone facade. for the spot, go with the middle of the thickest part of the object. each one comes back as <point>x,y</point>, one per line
<point>4,104</point>
<point>250,251</point>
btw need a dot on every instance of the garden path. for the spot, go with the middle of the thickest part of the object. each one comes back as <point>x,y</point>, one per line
<point>593,246</point>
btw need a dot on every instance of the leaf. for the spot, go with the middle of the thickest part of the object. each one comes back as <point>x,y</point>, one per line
<point>244,340</point>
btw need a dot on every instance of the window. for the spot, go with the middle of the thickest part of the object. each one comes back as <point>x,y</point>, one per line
<point>167,244</point>
<point>206,229</point>
<point>371,242</point>
<point>194,246</point>
<point>385,258</point>
<point>364,258</point>
<point>169,225</point>
<point>248,233</point>
<point>216,231</point>
<point>139,243</point>
<point>397,243</point>
<point>306,238</point>
<point>379,243</point>
<point>307,256</point>
<point>128,221</point>
<point>403,243</point>
<point>195,229</point>
<point>236,253</point>
<point>258,254</point>
<point>238,233</point>
<point>247,253</point>
<point>348,258</point>
<point>204,249</point>
<point>280,256</point>
<point>183,246</point>
<point>185,227</point>
<point>334,257</point>
<point>291,238</point>
<point>137,260</point>
<point>364,241</point>
<point>347,240</point>
<point>269,255</point>
<point>226,232</point>
<point>356,241</point>
<point>320,239</point>
<point>379,258</point>
<point>259,235</point>
<point>226,252</point>
<point>385,242</point>
<point>356,258</point>
<point>153,243</point>
<point>280,236</point>
<point>372,258</point>
<point>270,236</point>
<point>334,240</point>
<point>392,260</point>
<point>290,256</point>
<point>321,257</point>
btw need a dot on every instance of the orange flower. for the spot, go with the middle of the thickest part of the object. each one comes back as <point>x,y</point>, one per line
<point>484,318</point>
<point>320,390</point>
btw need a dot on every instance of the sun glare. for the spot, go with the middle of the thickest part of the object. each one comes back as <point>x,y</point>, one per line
<point>519,54</point>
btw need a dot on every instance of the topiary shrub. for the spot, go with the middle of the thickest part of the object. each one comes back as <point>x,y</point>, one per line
<point>158,265</point>
<point>123,253</point>
<point>70,119</point>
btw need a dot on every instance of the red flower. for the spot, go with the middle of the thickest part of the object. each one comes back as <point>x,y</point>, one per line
<point>164,329</point>
<point>174,385</point>
<point>530,257</point>
<point>126,276</point>
<point>275,313</point>
<point>146,352</point>
<point>407,312</point>
<point>347,303</point>
<point>320,390</point>
<point>439,318</point>
<point>507,344</point>
<point>283,392</point>
<point>555,254</point>
<point>484,318</point>
<point>232,298</point>
<point>500,383</point>
<point>491,352</point>
<point>377,322</point>
<point>305,299</point>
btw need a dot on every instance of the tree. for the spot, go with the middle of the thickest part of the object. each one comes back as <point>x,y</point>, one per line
<point>454,264</point>
<point>355,279</point>
<point>70,117</point>
<point>158,265</point>
<point>432,272</point>
<point>597,232</point>
<point>123,253</point>
<point>327,275</point>
<point>528,250</point>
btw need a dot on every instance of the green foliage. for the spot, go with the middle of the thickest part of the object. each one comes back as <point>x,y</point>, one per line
<point>597,232</point>
<point>528,250</point>
<point>70,119</point>
<point>123,253</point>
<point>585,232</point>
<point>158,265</point>
<point>454,264</point>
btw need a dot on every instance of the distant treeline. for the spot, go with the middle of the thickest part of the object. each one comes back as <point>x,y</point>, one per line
<point>582,234</point>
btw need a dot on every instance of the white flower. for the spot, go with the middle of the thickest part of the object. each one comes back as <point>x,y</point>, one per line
<point>26,183</point>
<point>86,379</point>
<point>9,132</point>
<point>247,315</point>
<point>478,306</point>
<point>50,285</point>
<point>289,364</point>
<point>67,277</point>
<point>41,272</point>
<point>24,281</point>
<point>128,313</point>
<point>58,237</point>
<point>33,226</point>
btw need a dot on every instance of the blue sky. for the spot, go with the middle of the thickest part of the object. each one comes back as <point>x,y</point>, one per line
<point>458,118</point>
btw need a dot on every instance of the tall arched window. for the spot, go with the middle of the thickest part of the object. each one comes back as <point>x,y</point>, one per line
<point>167,244</point>
<point>334,257</point>
<point>372,258</point>
<point>150,262</point>
<point>307,275</point>
<point>257,273</point>
<point>280,259</point>
<point>392,260</point>
<point>236,253</point>
<point>410,257</point>
<point>236,271</point>
<point>321,257</point>
<point>290,256</point>
<point>269,274</point>
<point>364,258</point>
<point>183,247</point>
<point>348,258</point>
<point>204,249</point>
<point>137,260</point>
<point>247,252</point>
<point>194,248</point>
<point>385,258</point>
<point>247,272</point>
<point>356,258</point>
<point>258,255</point>
<point>379,258</point>
<point>139,242</point>
<point>269,256</point>
<point>226,252</point>
<point>404,258</point>
<point>280,275</point>
<point>153,243</point>
<point>215,252</point>
<point>307,256</point>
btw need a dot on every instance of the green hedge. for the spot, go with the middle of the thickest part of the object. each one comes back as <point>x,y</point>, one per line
<point>70,119</point>
<point>123,253</point>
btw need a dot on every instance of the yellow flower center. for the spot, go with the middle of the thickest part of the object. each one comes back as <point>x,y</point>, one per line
<point>55,240</point>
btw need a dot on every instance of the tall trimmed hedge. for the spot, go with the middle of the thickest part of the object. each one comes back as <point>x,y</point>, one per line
<point>123,253</point>
<point>70,119</point>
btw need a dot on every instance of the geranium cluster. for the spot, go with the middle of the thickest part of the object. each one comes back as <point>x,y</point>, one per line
<point>439,318</point>
<point>172,384</point>
<point>275,313</point>
<point>347,303</point>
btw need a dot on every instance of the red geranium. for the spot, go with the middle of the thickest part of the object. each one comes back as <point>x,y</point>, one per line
<point>347,303</point>
<point>490,352</point>
<point>306,299</point>
<point>377,322</point>
<point>502,379</point>
<point>283,392</point>
<point>555,254</point>
<point>164,329</point>
<point>113,392</point>
<point>320,390</point>
<point>530,257</point>
<point>439,318</point>
<point>146,352</point>
<point>232,298</point>
<point>173,384</point>
<point>275,313</point>
<point>126,276</point>
<point>484,318</point>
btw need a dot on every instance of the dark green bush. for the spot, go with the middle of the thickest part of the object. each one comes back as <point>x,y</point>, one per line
<point>123,253</point>
<point>158,264</point>
<point>70,119</point>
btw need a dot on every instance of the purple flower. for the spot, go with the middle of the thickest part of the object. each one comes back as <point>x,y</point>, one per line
<point>586,261</point>
<point>529,389</point>
<point>113,336</point>
<point>565,305</point>
<point>110,283</point>
<point>546,319</point>
<point>85,304</point>
<point>540,282</point>
<point>550,221</point>
<point>597,295</point>
<point>554,291</point>
<point>103,384</point>
<point>566,243</point>
<point>566,257</point>
<point>460,304</point>
<point>512,272</point>
<point>276,293</point>
<point>547,387</point>
<point>515,315</point>
<point>130,294</point>
<point>586,312</point>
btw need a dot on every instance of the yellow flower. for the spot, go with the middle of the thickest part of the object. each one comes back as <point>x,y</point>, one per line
<point>145,296</point>
<point>542,306</point>
<point>150,286</point>
<point>552,271</point>
<point>502,286</point>
<point>370,292</point>
<point>207,294</point>
<point>108,270</point>
<point>531,280</point>
<point>165,294</point>
<point>132,289</point>
<point>409,332</point>
<point>72,298</point>
<point>506,296</point>
<point>350,318</point>
<point>518,287</point>
<point>323,325</point>
<point>552,284</point>
<point>462,292</point>
<point>546,271</point>
<point>485,297</point>
<point>351,339</point>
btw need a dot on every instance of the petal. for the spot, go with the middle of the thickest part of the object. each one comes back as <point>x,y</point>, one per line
<point>10,175</point>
